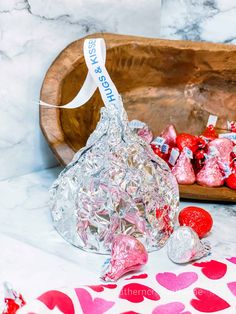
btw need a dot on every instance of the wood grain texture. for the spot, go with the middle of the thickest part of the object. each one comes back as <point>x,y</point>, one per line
<point>161,81</point>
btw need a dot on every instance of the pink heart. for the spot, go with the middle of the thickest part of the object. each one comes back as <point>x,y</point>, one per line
<point>213,269</point>
<point>232,260</point>
<point>90,306</point>
<point>170,308</point>
<point>175,282</point>
<point>232,287</point>
<point>56,299</point>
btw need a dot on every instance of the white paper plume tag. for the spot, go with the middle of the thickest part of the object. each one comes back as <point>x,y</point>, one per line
<point>173,156</point>
<point>212,120</point>
<point>158,141</point>
<point>136,124</point>
<point>230,136</point>
<point>165,148</point>
<point>188,152</point>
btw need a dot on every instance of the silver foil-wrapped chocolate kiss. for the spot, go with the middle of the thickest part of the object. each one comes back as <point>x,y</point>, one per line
<point>185,246</point>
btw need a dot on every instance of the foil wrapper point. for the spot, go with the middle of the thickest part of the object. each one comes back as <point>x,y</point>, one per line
<point>185,246</point>
<point>113,186</point>
<point>142,130</point>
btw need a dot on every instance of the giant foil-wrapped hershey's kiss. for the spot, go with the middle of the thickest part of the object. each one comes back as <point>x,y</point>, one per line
<point>115,183</point>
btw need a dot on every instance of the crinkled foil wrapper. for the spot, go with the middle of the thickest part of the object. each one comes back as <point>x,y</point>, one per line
<point>185,246</point>
<point>113,186</point>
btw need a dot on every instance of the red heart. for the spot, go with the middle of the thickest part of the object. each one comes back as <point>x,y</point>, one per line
<point>208,302</point>
<point>129,312</point>
<point>100,288</point>
<point>135,292</point>
<point>60,300</point>
<point>212,269</point>
<point>90,306</point>
<point>141,276</point>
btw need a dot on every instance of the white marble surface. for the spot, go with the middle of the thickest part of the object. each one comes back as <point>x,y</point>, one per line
<point>33,271</point>
<point>35,257</point>
<point>201,20</point>
<point>32,33</point>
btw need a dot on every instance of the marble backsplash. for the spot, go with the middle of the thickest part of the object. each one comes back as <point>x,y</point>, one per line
<point>33,32</point>
<point>200,20</point>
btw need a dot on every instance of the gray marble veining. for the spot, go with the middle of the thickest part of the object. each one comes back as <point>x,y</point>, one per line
<point>199,20</point>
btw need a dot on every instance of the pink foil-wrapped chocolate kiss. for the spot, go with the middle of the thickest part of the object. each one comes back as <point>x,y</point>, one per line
<point>183,170</point>
<point>169,134</point>
<point>224,146</point>
<point>128,254</point>
<point>210,174</point>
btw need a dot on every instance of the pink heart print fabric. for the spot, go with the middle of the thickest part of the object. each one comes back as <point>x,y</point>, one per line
<point>203,287</point>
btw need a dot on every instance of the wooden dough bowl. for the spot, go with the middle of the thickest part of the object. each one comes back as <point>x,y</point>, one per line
<point>162,82</point>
